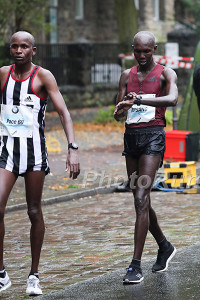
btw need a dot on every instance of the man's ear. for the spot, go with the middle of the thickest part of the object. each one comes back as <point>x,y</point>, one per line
<point>155,47</point>
<point>34,51</point>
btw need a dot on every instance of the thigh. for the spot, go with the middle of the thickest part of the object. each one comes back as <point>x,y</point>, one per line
<point>34,182</point>
<point>131,165</point>
<point>147,168</point>
<point>7,181</point>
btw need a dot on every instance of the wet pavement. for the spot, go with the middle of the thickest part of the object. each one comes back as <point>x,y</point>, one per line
<point>180,282</point>
<point>93,236</point>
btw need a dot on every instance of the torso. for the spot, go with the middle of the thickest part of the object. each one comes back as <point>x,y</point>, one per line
<point>148,83</point>
<point>20,152</point>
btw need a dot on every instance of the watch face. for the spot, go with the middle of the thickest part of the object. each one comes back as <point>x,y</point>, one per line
<point>74,145</point>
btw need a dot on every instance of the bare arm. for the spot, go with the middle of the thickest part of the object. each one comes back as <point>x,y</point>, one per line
<point>3,75</point>
<point>169,98</point>
<point>51,87</point>
<point>118,114</point>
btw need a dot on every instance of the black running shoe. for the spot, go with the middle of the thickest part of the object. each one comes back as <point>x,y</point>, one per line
<point>163,259</point>
<point>133,275</point>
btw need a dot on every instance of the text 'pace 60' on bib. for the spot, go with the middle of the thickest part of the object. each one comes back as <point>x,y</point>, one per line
<point>141,113</point>
<point>16,121</point>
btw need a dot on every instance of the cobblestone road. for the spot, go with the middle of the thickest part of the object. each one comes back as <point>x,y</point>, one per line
<point>91,236</point>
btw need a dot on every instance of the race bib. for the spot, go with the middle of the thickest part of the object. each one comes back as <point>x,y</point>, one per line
<point>16,121</point>
<point>141,113</point>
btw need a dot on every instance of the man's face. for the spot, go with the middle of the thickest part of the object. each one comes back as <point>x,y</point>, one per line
<point>21,49</point>
<point>143,53</point>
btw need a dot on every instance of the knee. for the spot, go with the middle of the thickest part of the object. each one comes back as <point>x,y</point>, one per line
<point>34,214</point>
<point>141,204</point>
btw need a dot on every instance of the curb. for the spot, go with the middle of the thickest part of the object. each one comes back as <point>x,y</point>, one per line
<point>68,197</point>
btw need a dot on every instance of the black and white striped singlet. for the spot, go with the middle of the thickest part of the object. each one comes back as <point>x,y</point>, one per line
<point>22,154</point>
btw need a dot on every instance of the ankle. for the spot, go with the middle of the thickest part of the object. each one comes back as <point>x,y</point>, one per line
<point>164,244</point>
<point>2,273</point>
<point>136,263</point>
<point>34,273</point>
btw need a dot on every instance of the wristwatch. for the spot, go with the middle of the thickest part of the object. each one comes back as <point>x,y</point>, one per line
<point>138,100</point>
<point>73,146</point>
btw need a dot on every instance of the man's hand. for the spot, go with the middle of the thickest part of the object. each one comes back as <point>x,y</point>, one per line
<point>73,164</point>
<point>123,106</point>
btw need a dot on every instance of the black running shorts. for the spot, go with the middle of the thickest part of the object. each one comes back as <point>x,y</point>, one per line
<point>145,140</point>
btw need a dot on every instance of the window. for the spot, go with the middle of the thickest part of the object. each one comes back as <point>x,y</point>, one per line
<point>79,9</point>
<point>136,4</point>
<point>156,10</point>
<point>53,20</point>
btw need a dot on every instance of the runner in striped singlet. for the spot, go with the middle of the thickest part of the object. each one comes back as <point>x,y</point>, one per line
<point>25,88</point>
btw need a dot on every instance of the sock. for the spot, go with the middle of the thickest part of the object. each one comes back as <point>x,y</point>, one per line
<point>164,244</point>
<point>136,263</point>
<point>35,274</point>
<point>2,273</point>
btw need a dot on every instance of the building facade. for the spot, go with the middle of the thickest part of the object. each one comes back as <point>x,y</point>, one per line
<point>110,21</point>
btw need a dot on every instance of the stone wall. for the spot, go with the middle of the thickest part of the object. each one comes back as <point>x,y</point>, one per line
<point>161,27</point>
<point>99,22</point>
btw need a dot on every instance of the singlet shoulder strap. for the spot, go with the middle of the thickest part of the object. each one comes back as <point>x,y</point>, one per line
<point>34,72</point>
<point>159,68</point>
<point>30,85</point>
<point>134,70</point>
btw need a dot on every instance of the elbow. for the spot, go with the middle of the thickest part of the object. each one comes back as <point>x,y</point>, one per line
<point>64,116</point>
<point>116,117</point>
<point>173,101</point>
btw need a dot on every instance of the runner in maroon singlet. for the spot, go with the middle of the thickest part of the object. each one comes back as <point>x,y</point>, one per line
<point>144,93</point>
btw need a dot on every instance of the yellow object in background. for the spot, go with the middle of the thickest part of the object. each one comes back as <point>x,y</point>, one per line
<point>180,174</point>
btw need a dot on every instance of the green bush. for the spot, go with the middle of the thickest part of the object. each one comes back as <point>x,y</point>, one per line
<point>169,116</point>
<point>105,116</point>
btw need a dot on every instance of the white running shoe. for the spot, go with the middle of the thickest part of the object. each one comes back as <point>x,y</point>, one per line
<point>5,283</point>
<point>33,286</point>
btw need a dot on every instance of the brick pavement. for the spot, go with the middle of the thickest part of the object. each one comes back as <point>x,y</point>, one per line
<point>92,236</point>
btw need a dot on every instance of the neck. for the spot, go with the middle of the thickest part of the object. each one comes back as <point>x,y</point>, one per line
<point>24,68</point>
<point>21,72</point>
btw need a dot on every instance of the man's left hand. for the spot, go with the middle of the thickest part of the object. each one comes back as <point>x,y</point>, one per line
<point>73,164</point>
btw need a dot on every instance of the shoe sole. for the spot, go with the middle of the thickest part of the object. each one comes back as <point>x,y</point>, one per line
<point>5,287</point>
<point>167,262</point>
<point>33,294</point>
<point>138,281</point>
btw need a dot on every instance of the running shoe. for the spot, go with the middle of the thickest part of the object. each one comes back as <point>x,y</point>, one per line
<point>33,286</point>
<point>5,282</point>
<point>163,259</point>
<point>133,275</point>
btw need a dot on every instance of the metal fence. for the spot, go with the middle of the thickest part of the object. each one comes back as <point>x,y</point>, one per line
<point>81,64</point>
<point>78,64</point>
